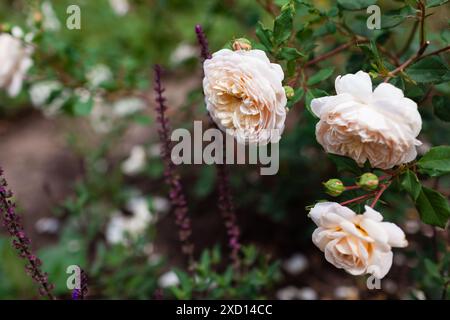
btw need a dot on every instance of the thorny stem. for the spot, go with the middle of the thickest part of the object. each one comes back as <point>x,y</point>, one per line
<point>355,187</point>
<point>334,52</point>
<point>379,193</point>
<point>357,199</point>
<point>432,53</point>
<point>176,195</point>
<point>21,241</point>
<point>226,205</point>
<point>405,64</point>
<point>269,6</point>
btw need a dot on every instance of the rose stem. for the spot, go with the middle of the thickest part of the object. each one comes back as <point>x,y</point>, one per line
<point>176,194</point>
<point>21,242</point>
<point>379,193</point>
<point>226,205</point>
<point>423,45</point>
<point>352,187</point>
<point>363,197</point>
<point>334,52</point>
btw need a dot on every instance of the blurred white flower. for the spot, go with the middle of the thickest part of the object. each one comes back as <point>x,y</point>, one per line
<point>347,293</point>
<point>135,163</point>
<point>412,226</point>
<point>50,20</point>
<point>101,118</point>
<point>160,204</point>
<point>120,226</point>
<point>182,53</point>
<point>17,32</point>
<point>155,150</point>
<point>380,126</point>
<point>357,243</point>
<point>47,225</point>
<point>120,7</point>
<point>127,106</point>
<point>287,293</point>
<point>40,91</point>
<point>296,264</point>
<point>307,293</point>
<point>418,294</point>
<point>390,286</point>
<point>244,94</point>
<point>98,74</point>
<point>15,60</point>
<point>168,279</point>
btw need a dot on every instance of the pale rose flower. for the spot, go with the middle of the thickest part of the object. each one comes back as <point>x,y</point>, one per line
<point>244,93</point>
<point>15,59</point>
<point>380,125</point>
<point>357,243</point>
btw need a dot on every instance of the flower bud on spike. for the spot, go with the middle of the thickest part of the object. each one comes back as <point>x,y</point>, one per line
<point>242,44</point>
<point>368,181</point>
<point>334,187</point>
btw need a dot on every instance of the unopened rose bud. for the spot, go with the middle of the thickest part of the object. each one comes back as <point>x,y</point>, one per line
<point>289,91</point>
<point>368,181</point>
<point>334,187</point>
<point>242,44</point>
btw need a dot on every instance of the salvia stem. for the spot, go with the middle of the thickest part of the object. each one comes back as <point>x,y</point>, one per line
<point>20,241</point>
<point>176,195</point>
<point>226,205</point>
<point>81,293</point>
<point>203,42</point>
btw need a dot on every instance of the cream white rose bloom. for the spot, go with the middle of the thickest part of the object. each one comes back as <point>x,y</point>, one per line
<point>357,243</point>
<point>244,94</point>
<point>380,125</point>
<point>15,60</point>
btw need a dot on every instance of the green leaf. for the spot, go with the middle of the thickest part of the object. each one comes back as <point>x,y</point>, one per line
<point>83,107</point>
<point>433,207</point>
<point>264,35</point>
<point>436,161</point>
<point>289,54</point>
<point>411,184</point>
<point>185,281</point>
<point>429,69</point>
<point>441,107</point>
<point>435,3</point>
<point>345,164</point>
<point>320,76</point>
<point>432,269</point>
<point>395,17</point>
<point>282,28</point>
<point>355,4</point>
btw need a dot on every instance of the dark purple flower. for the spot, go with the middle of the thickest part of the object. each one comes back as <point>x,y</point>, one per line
<point>20,241</point>
<point>176,193</point>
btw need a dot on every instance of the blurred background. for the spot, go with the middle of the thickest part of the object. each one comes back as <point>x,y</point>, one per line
<point>80,150</point>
